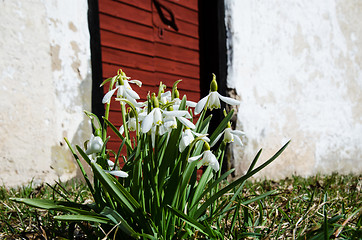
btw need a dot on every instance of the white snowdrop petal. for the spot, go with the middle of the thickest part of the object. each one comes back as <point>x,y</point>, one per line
<point>201,104</point>
<point>186,139</point>
<point>110,163</point>
<point>238,132</point>
<point>119,173</point>
<point>137,82</point>
<point>188,115</point>
<point>230,101</point>
<point>190,104</point>
<point>121,130</point>
<point>228,136</point>
<point>214,101</point>
<point>210,159</point>
<point>194,158</point>
<point>157,116</point>
<point>132,124</point>
<point>238,140</point>
<point>215,166</point>
<point>108,96</point>
<point>94,145</point>
<point>132,94</point>
<point>186,122</point>
<point>175,113</point>
<point>166,94</point>
<point>147,122</point>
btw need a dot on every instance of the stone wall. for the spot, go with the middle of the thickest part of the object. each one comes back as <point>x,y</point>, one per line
<point>296,66</point>
<point>45,84</point>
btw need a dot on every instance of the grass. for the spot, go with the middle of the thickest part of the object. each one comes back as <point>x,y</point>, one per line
<point>320,207</point>
<point>19,221</point>
<point>314,208</point>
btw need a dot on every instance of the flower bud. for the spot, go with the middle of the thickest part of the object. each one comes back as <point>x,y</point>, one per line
<point>176,94</point>
<point>98,132</point>
<point>94,145</point>
<point>206,146</point>
<point>120,80</point>
<point>154,100</point>
<point>213,85</point>
<point>228,136</point>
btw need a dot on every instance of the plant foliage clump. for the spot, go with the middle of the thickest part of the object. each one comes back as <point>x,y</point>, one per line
<point>148,188</point>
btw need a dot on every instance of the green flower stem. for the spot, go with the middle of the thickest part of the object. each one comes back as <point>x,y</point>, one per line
<point>155,169</point>
<point>106,116</point>
<point>134,112</point>
<point>222,148</point>
<point>123,109</point>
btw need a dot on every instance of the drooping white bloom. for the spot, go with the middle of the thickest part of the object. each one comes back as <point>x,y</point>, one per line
<point>124,91</point>
<point>169,123</point>
<point>229,136</point>
<point>208,159</point>
<point>158,117</point>
<point>165,97</point>
<point>181,115</point>
<point>110,163</point>
<point>188,136</point>
<point>154,118</point>
<point>131,124</point>
<point>94,145</point>
<point>212,100</point>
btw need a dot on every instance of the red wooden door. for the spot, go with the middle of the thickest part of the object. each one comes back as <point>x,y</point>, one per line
<point>136,37</point>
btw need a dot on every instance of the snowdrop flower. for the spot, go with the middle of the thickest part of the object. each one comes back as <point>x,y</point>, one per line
<point>157,117</point>
<point>212,100</point>
<point>110,163</point>
<point>124,90</point>
<point>178,102</point>
<point>154,118</point>
<point>181,115</point>
<point>208,159</point>
<point>131,124</point>
<point>94,145</point>
<point>118,173</point>
<point>188,136</point>
<point>165,97</point>
<point>166,119</point>
<point>230,136</point>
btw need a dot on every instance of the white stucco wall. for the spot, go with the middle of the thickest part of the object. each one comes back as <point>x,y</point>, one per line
<point>45,84</point>
<point>297,67</point>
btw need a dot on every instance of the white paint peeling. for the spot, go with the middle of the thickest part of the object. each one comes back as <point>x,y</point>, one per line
<point>296,66</point>
<point>42,95</point>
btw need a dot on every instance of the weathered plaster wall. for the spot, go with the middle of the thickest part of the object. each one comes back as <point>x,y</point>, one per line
<point>45,84</point>
<point>296,66</point>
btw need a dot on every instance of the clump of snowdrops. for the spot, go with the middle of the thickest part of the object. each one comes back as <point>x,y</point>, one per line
<point>149,188</point>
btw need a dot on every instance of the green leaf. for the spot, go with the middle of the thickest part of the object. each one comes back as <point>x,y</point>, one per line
<point>56,205</point>
<point>81,167</point>
<point>116,191</point>
<point>212,186</point>
<point>79,218</point>
<point>221,126</point>
<point>191,221</point>
<point>237,182</point>
<point>205,178</point>
<point>259,197</point>
<point>115,130</point>
<point>117,219</point>
<point>105,81</point>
